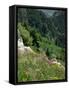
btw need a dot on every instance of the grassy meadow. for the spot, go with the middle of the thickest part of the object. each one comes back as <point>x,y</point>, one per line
<point>33,67</point>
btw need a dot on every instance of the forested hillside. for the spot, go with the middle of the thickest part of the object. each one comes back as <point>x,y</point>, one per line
<point>44,34</point>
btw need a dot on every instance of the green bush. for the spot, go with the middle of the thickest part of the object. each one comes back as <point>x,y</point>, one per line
<point>27,39</point>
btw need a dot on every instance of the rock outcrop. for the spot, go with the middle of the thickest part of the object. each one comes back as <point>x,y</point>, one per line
<point>21,48</point>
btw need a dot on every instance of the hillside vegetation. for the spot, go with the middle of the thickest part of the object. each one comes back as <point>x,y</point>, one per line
<point>45,35</point>
<point>33,67</point>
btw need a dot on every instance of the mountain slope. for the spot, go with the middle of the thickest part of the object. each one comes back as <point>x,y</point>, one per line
<point>45,36</point>
<point>52,27</point>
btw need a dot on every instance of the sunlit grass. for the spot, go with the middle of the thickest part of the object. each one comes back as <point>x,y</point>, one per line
<point>32,67</point>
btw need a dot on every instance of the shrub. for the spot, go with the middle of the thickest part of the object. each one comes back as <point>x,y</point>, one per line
<point>27,39</point>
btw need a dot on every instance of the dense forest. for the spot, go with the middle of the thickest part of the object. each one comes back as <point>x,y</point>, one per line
<point>44,32</point>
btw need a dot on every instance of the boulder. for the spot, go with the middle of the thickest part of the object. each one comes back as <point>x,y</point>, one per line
<point>23,49</point>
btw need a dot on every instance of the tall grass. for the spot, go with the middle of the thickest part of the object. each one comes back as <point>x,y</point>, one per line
<point>33,67</point>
